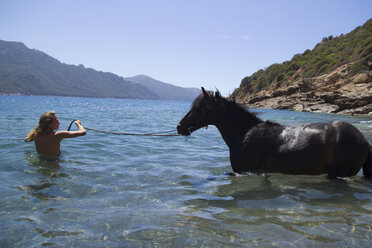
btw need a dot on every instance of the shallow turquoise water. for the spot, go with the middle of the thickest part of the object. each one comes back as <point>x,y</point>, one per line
<point>131,191</point>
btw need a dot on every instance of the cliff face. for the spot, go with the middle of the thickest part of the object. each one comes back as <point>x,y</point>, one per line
<point>333,77</point>
<point>335,92</point>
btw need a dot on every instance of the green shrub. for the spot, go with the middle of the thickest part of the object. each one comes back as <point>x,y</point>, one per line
<point>326,56</point>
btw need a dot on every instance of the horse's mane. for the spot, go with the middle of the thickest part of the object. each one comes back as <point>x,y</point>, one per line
<point>230,106</point>
<point>236,109</point>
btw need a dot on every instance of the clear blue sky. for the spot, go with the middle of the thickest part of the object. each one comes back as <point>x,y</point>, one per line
<point>190,43</point>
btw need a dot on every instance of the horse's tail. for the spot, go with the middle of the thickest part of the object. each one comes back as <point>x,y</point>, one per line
<point>367,166</point>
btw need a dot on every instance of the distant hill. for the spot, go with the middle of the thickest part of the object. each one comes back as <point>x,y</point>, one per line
<point>163,90</point>
<point>334,77</point>
<point>31,72</point>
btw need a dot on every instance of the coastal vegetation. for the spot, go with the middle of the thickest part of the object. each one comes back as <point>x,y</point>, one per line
<point>354,48</point>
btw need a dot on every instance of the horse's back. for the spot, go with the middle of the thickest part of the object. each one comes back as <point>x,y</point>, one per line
<point>300,150</point>
<point>333,148</point>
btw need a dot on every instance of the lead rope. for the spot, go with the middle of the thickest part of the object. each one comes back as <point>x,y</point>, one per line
<point>123,133</point>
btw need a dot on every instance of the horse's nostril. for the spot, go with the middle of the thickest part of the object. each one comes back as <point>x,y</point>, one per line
<point>182,130</point>
<point>179,128</point>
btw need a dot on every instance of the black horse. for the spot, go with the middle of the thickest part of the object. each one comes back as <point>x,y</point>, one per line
<point>334,148</point>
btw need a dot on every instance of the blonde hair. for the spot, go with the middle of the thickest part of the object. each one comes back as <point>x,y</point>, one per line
<point>43,127</point>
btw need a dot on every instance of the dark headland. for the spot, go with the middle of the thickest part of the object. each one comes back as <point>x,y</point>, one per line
<point>25,71</point>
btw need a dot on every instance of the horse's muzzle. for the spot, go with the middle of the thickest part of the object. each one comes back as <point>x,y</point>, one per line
<point>183,131</point>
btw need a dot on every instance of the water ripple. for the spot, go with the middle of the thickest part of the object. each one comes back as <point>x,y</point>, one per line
<point>126,191</point>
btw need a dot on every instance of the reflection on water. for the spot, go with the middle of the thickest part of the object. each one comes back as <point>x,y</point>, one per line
<point>49,169</point>
<point>292,210</point>
<point>47,173</point>
<point>46,166</point>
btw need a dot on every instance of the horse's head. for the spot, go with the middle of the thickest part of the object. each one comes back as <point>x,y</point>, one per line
<point>200,115</point>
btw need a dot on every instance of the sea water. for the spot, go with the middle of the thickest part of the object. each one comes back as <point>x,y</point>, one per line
<point>132,191</point>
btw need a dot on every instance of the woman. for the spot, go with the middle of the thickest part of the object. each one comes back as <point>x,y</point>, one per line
<point>48,142</point>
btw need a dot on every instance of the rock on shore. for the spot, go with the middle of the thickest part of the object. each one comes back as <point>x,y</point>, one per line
<point>336,92</point>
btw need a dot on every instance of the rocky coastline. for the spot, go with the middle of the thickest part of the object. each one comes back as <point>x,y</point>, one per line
<point>336,92</point>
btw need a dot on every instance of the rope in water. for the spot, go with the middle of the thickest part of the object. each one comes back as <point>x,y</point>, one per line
<point>165,133</point>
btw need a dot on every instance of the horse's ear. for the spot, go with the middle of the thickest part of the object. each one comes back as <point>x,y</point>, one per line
<point>205,93</point>
<point>217,94</point>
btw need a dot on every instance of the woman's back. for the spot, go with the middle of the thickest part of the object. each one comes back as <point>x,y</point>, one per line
<point>48,144</point>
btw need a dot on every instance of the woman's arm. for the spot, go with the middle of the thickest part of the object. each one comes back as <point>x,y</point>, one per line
<point>72,134</point>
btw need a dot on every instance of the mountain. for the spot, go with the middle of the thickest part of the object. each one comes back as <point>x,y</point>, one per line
<point>334,77</point>
<point>31,72</point>
<point>165,91</point>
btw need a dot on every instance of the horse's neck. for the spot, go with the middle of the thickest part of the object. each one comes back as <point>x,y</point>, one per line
<point>233,130</point>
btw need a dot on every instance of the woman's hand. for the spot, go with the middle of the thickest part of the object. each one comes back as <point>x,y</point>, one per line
<point>72,134</point>
<point>81,128</point>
